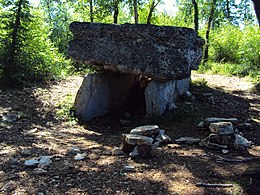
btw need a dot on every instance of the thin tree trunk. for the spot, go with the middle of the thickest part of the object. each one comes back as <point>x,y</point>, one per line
<point>91,11</point>
<point>196,15</point>
<point>116,11</point>
<point>206,47</point>
<point>257,10</point>
<point>10,67</point>
<point>135,11</point>
<point>228,10</point>
<point>152,7</point>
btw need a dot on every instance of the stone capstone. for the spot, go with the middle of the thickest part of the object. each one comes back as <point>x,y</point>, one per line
<point>159,52</point>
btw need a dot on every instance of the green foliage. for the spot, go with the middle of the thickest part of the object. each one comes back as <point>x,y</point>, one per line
<point>65,108</point>
<point>36,58</point>
<point>234,51</point>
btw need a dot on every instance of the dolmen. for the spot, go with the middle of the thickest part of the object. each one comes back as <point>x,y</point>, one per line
<point>159,59</point>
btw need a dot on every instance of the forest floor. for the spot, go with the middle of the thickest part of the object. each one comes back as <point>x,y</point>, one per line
<point>36,128</point>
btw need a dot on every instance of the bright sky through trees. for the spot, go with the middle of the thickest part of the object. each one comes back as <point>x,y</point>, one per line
<point>167,5</point>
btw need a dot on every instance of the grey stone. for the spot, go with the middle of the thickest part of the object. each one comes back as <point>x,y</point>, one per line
<point>225,151</point>
<point>80,156</point>
<point>145,130</point>
<point>134,139</point>
<point>101,93</point>
<point>201,124</point>
<point>222,128</point>
<point>128,168</point>
<point>187,140</point>
<point>39,171</point>
<point>162,137</point>
<point>183,86</point>
<point>26,152</point>
<point>241,143</point>
<point>134,153</point>
<point>74,149</point>
<point>45,160</point>
<point>215,119</point>
<point>158,95</point>
<point>117,152</point>
<point>31,163</point>
<point>160,52</point>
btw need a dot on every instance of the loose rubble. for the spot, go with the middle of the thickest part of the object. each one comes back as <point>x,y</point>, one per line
<point>142,141</point>
<point>224,135</point>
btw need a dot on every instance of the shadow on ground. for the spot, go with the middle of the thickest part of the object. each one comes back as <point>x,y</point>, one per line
<point>175,169</point>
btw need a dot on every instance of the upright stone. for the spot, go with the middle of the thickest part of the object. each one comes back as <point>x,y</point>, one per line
<point>100,93</point>
<point>159,52</point>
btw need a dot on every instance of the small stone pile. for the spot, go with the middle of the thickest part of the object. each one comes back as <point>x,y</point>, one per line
<point>142,141</point>
<point>224,135</point>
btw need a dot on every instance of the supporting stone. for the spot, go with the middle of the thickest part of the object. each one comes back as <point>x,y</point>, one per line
<point>101,93</point>
<point>161,96</point>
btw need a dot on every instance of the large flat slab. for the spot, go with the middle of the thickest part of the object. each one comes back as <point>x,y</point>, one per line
<point>160,52</point>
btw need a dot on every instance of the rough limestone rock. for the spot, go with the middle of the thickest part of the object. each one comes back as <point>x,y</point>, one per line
<point>222,128</point>
<point>159,52</point>
<point>134,139</point>
<point>101,93</point>
<point>216,119</point>
<point>145,130</point>
<point>160,96</point>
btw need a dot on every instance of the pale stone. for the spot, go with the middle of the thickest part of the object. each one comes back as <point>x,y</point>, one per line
<point>101,93</point>
<point>241,143</point>
<point>215,119</point>
<point>158,95</point>
<point>183,86</point>
<point>80,156</point>
<point>31,163</point>
<point>45,160</point>
<point>222,128</point>
<point>145,130</point>
<point>187,140</point>
<point>134,139</point>
<point>162,137</point>
<point>39,171</point>
<point>128,168</point>
<point>160,52</point>
<point>117,152</point>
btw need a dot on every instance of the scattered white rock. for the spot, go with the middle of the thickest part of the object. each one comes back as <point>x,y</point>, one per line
<point>26,152</point>
<point>134,153</point>
<point>74,149</point>
<point>201,124</point>
<point>31,163</point>
<point>128,168</point>
<point>162,137</point>
<point>80,156</point>
<point>225,151</point>
<point>117,152</point>
<point>39,171</point>
<point>45,160</point>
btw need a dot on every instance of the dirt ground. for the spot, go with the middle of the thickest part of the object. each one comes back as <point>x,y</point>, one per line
<point>175,169</point>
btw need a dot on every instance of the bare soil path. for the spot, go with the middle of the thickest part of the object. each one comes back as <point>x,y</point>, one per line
<point>40,131</point>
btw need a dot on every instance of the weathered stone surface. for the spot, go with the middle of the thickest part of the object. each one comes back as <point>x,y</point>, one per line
<point>161,96</point>
<point>215,119</point>
<point>101,93</point>
<point>222,128</point>
<point>187,140</point>
<point>160,52</point>
<point>241,143</point>
<point>134,139</point>
<point>145,130</point>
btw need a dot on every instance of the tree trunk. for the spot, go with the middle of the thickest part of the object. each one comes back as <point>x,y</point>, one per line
<point>152,7</point>
<point>228,10</point>
<point>206,47</point>
<point>196,15</point>
<point>10,67</point>
<point>257,10</point>
<point>116,11</point>
<point>91,11</point>
<point>136,11</point>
